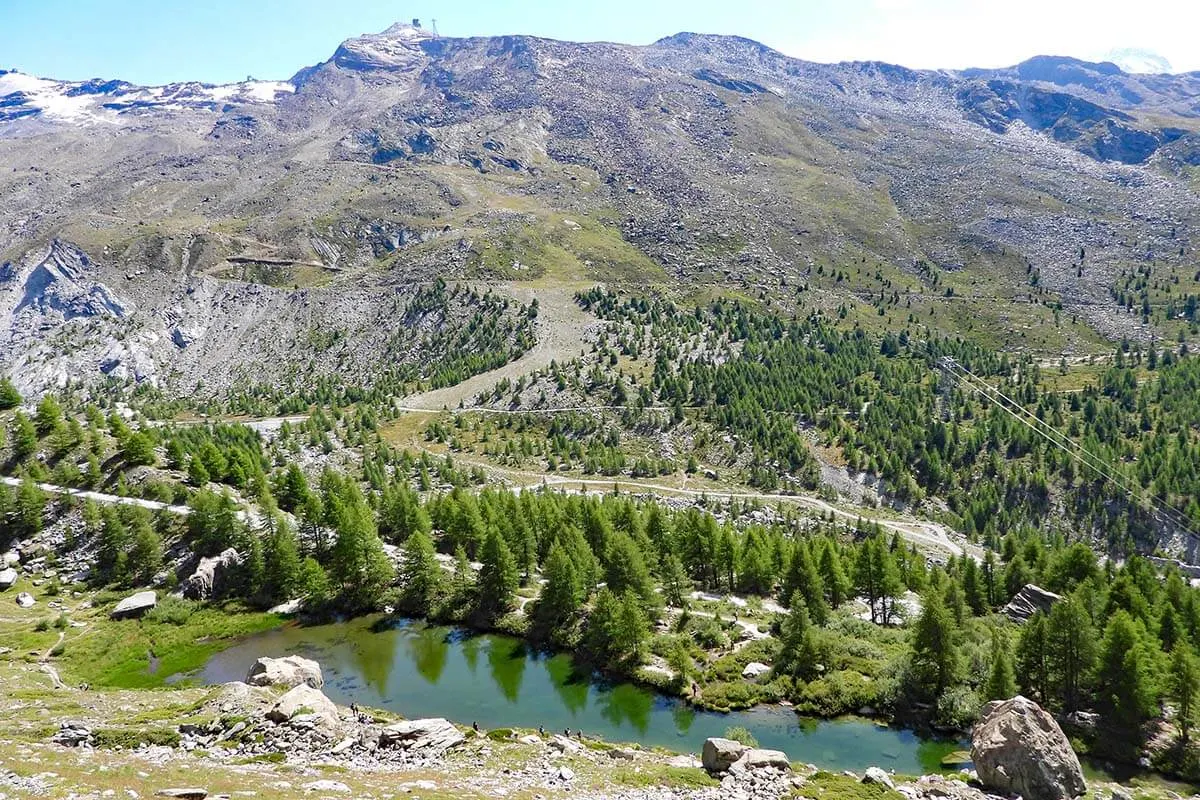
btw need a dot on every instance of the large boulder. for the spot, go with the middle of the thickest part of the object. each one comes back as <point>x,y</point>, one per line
<point>25,600</point>
<point>427,735</point>
<point>755,669</point>
<point>755,758</point>
<point>1029,601</point>
<point>135,605</point>
<point>305,700</point>
<point>7,578</point>
<point>720,754</point>
<point>290,671</point>
<point>1018,748</point>
<point>211,575</point>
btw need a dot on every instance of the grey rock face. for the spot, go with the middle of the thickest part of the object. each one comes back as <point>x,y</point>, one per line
<point>211,575</point>
<point>290,671</point>
<point>1018,748</point>
<point>720,754</point>
<point>7,578</point>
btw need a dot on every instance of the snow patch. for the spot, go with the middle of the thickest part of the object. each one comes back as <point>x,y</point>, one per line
<point>85,102</point>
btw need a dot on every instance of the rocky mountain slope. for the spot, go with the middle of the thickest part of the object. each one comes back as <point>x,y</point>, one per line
<point>149,214</point>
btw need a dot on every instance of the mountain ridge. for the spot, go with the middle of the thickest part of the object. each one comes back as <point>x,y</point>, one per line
<point>699,160</point>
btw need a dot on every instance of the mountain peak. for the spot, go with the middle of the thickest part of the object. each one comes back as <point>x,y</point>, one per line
<point>396,48</point>
<point>407,30</point>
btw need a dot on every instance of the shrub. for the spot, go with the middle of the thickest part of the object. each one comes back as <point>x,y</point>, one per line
<point>172,610</point>
<point>958,707</point>
<point>708,634</point>
<point>740,735</point>
<point>129,738</point>
<point>729,696</point>
<point>841,692</point>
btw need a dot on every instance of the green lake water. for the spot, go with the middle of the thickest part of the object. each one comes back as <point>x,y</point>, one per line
<point>420,670</point>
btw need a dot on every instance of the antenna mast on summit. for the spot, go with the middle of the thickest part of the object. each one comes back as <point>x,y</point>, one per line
<point>433,23</point>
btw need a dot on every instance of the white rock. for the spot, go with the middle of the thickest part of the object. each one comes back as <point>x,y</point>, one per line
<point>304,699</point>
<point>289,671</point>
<point>877,775</point>
<point>755,669</point>
<point>135,605</point>
<point>7,578</point>
<point>25,600</point>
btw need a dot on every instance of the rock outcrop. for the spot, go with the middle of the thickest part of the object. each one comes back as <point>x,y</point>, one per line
<point>211,575</point>
<point>1029,601</point>
<point>290,671</point>
<point>7,578</point>
<point>1018,748</point>
<point>429,735</point>
<point>135,605</point>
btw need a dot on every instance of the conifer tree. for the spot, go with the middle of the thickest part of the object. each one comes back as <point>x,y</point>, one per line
<point>420,574</point>
<point>1033,658</point>
<point>1124,686</point>
<point>48,417</point>
<point>9,396</point>
<point>1001,683</point>
<point>562,594</point>
<point>283,567</point>
<point>30,507</point>
<point>358,566</point>
<point>799,652</point>
<point>1071,643</point>
<point>24,437</point>
<point>803,578</point>
<point>139,450</point>
<point>935,658</point>
<point>145,550</point>
<point>837,584</point>
<point>677,586</point>
<point>498,577</point>
<point>626,571</point>
<point>1184,686</point>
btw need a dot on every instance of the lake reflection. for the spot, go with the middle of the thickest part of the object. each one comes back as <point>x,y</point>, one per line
<point>421,670</point>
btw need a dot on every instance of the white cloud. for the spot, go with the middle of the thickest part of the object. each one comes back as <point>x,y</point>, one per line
<point>944,33</point>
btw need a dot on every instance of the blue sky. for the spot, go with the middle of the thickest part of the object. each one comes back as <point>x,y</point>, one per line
<point>158,41</point>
